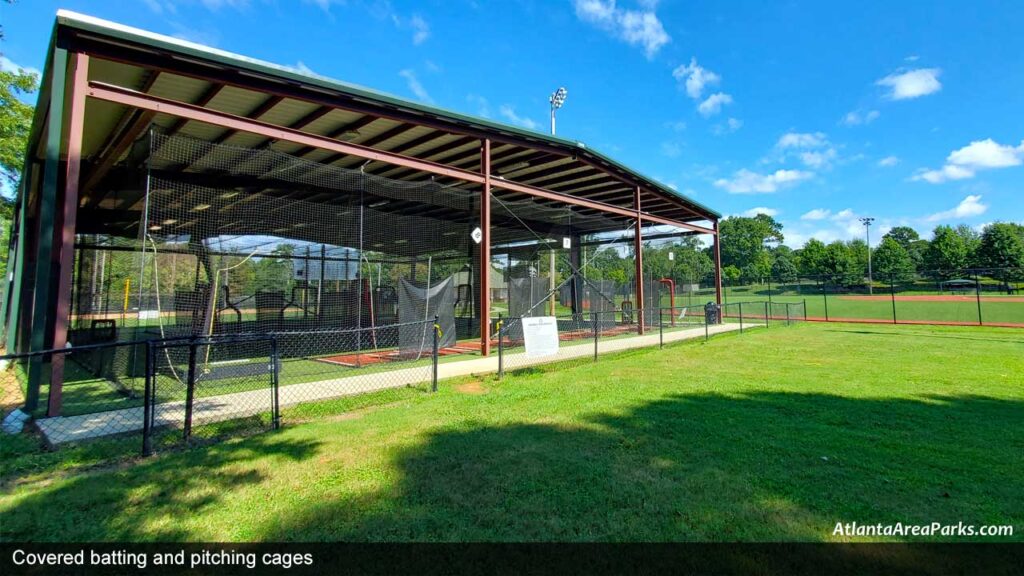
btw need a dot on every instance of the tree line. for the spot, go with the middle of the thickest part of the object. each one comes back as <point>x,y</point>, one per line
<point>752,252</point>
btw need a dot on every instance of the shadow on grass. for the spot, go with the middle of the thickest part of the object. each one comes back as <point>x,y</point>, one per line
<point>141,500</point>
<point>919,334</point>
<point>762,466</point>
<point>769,467</point>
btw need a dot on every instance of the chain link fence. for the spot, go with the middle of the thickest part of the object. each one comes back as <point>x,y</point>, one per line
<point>971,296</point>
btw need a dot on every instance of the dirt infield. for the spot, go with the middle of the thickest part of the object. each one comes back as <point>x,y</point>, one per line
<point>933,298</point>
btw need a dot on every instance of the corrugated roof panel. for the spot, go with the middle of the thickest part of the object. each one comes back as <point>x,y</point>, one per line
<point>180,88</point>
<point>236,101</point>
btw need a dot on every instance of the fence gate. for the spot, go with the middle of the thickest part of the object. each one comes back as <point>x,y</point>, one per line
<point>203,388</point>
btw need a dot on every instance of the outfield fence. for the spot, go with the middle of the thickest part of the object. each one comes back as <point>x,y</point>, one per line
<point>989,296</point>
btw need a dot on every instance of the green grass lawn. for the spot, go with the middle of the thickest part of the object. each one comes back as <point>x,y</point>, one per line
<point>771,435</point>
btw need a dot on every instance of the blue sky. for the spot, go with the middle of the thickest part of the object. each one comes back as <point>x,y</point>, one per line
<point>817,112</point>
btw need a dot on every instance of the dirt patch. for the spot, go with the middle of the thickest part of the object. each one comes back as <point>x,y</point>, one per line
<point>933,298</point>
<point>476,387</point>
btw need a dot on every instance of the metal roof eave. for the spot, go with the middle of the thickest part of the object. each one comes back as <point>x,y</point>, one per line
<point>82,22</point>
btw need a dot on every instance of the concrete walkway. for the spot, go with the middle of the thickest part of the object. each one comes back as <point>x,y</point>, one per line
<point>64,429</point>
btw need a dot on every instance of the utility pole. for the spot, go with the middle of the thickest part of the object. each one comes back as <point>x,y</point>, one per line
<point>866,221</point>
<point>557,99</point>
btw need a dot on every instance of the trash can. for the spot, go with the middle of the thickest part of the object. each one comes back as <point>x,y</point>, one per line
<point>712,313</point>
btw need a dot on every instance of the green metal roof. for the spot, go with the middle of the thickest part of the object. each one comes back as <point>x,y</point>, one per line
<point>107,28</point>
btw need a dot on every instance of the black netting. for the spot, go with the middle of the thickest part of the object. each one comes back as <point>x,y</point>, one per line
<point>417,307</point>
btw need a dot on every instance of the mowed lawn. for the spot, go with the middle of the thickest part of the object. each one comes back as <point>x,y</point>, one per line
<point>771,435</point>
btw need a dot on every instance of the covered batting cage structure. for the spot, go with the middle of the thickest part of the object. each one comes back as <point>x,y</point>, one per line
<point>174,190</point>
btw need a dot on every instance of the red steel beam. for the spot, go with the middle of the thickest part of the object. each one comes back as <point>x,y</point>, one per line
<point>66,230</point>
<point>485,250</point>
<point>718,267</point>
<point>129,97</point>
<point>240,79</point>
<point>129,127</point>
<point>638,249</point>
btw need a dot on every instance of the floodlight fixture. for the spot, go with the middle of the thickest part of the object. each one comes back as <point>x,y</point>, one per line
<point>557,99</point>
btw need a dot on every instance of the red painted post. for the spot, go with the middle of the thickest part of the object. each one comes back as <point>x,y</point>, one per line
<point>718,267</point>
<point>64,235</point>
<point>485,249</point>
<point>638,248</point>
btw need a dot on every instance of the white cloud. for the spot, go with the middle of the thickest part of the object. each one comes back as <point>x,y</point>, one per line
<point>944,174</point>
<point>817,214</point>
<point>483,107</point>
<point>415,86</point>
<point>813,150</point>
<point>967,208</point>
<point>802,140</point>
<point>671,149</point>
<point>635,27</point>
<point>713,104</point>
<point>301,68</point>
<point>888,161</point>
<point>420,30</point>
<point>510,114</point>
<point>818,159</point>
<point>731,125</point>
<point>8,65</point>
<point>857,117</point>
<point>987,153</point>
<point>218,4</point>
<point>747,182</point>
<point>912,83</point>
<point>677,126</point>
<point>695,78</point>
<point>761,210</point>
<point>978,155</point>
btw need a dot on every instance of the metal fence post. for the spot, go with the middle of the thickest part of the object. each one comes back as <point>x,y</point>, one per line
<point>766,321</point>
<point>190,389</point>
<point>661,329</point>
<point>977,295</point>
<point>741,317</point>
<point>437,330</point>
<point>275,382</point>
<point>805,309</point>
<point>892,292</point>
<point>501,348</point>
<point>597,333</point>
<point>824,295</point>
<point>787,313</point>
<point>147,399</point>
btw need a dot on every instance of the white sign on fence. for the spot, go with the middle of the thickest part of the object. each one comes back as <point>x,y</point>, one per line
<point>541,336</point>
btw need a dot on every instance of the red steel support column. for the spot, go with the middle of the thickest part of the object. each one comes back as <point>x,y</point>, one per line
<point>718,267</point>
<point>485,250</point>
<point>64,235</point>
<point>638,248</point>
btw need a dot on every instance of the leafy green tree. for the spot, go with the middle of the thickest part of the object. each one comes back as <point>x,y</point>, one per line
<point>744,238</point>
<point>840,265</point>
<point>948,252</point>
<point>783,269</point>
<point>812,258</point>
<point>15,121</point>
<point>972,240</point>
<point>731,275</point>
<point>859,255</point>
<point>911,242</point>
<point>902,235</point>
<point>1002,247</point>
<point>892,262</point>
<point>760,267</point>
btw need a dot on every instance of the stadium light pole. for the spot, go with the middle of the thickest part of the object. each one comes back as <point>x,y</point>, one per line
<point>866,221</point>
<point>557,99</point>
